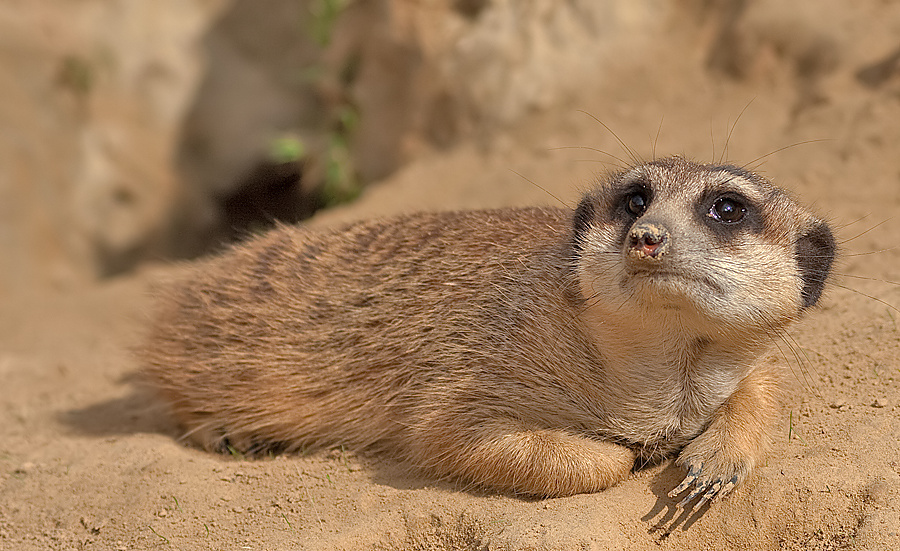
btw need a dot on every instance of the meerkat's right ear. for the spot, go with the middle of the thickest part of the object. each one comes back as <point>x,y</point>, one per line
<point>815,252</point>
<point>584,215</point>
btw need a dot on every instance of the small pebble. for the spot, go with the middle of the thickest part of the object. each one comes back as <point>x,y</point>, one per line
<point>25,468</point>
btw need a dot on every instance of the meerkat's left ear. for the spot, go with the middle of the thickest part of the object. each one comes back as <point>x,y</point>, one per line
<point>815,252</point>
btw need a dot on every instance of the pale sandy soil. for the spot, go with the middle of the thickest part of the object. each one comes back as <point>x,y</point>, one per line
<point>89,462</point>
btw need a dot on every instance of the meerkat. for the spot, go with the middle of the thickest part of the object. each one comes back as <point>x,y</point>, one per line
<point>538,351</point>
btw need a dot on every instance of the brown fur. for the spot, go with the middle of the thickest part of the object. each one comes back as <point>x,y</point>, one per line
<point>518,349</point>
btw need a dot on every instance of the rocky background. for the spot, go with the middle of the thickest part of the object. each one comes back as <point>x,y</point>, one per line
<point>136,130</point>
<point>135,135</point>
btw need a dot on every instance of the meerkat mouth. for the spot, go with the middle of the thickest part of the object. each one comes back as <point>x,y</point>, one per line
<point>669,281</point>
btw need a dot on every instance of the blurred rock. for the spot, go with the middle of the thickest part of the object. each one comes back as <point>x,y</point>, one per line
<point>388,79</point>
<point>133,130</point>
<point>93,97</point>
<point>756,41</point>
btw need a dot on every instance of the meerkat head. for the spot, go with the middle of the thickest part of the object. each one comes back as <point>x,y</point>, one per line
<point>715,245</point>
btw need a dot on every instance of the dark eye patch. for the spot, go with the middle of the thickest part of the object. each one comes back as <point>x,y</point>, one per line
<point>636,203</point>
<point>631,197</point>
<point>727,210</point>
<point>727,213</point>
<point>615,205</point>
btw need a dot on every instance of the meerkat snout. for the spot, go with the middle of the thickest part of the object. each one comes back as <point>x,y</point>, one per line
<point>648,241</point>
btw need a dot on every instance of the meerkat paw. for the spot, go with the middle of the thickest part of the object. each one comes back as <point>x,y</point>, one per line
<point>710,475</point>
<point>724,455</point>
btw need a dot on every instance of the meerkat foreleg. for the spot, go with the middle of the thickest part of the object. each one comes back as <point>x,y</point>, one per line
<point>539,462</point>
<point>735,440</point>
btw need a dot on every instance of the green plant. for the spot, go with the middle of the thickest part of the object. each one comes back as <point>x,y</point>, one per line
<point>324,15</point>
<point>78,74</point>
<point>287,148</point>
<point>341,180</point>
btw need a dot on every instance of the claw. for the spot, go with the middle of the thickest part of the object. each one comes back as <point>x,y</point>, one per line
<point>689,479</point>
<point>726,489</point>
<point>702,501</point>
<point>709,492</point>
<point>699,489</point>
<point>713,492</point>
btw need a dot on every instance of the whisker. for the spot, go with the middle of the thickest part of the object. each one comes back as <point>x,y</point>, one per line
<point>802,365</point>
<point>857,236</point>
<point>622,162</point>
<point>780,149</point>
<point>866,253</point>
<point>631,153</point>
<point>540,187</point>
<point>731,131</point>
<point>868,278</point>
<point>781,337</point>
<point>656,139</point>
<point>848,224</point>
<point>876,299</point>
<point>605,163</point>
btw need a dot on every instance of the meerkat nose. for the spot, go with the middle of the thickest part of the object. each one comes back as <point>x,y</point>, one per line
<point>648,240</point>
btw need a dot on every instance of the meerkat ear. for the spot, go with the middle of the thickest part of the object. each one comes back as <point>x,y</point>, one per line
<point>815,253</point>
<point>584,215</point>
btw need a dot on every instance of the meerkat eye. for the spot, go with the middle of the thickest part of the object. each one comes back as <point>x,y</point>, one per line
<point>727,210</point>
<point>636,203</point>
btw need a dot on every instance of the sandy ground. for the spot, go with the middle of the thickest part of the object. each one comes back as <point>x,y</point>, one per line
<point>87,461</point>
